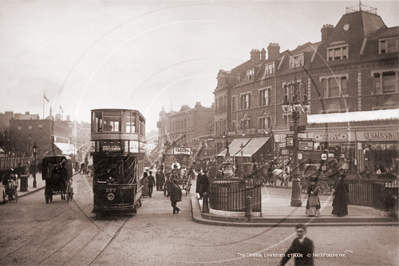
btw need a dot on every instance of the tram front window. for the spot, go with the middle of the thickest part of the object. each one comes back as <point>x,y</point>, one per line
<point>111,123</point>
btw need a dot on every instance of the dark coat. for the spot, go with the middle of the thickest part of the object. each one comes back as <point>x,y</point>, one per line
<point>174,192</point>
<point>160,178</point>
<point>204,184</point>
<point>341,199</point>
<point>151,180</point>
<point>198,185</point>
<point>304,248</point>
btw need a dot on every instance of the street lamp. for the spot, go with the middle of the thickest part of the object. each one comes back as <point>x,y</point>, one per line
<point>34,169</point>
<point>295,106</point>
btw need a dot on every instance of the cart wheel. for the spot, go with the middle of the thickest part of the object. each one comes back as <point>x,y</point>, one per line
<point>324,188</point>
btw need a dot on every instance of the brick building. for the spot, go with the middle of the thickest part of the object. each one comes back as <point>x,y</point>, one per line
<point>353,68</point>
<point>187,127</point>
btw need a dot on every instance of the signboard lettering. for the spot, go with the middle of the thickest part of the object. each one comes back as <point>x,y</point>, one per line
<point>381,135</point>
<point>331,136</point>
<point>178,151</point>
<point>305,145</point>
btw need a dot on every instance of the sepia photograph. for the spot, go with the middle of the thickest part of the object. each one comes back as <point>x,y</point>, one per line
<point>223,132</point>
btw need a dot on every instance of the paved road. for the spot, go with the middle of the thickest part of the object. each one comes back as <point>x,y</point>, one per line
<point>33,232</point>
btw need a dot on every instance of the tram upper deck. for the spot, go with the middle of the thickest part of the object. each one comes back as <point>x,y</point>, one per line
<point>117,124</point>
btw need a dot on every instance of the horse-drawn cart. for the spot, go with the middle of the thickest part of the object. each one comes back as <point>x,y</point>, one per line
<point>57,172</point>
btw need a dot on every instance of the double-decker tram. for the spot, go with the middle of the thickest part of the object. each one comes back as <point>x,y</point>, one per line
<point>118,150</point>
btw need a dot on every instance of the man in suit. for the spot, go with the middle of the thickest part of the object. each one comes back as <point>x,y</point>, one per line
<point>204,183</point>
<point>301,248</point>
<point>151,183</point>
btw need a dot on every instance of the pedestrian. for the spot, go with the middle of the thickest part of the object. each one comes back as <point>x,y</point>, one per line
<point>175,195</point>
<point>144,183</point>
<point>198,185</point>
<point>27,169</point>
<point>160,179</point>
<point>204,184</point>
<point>341,197</point>
<point>301,248</point>
<point>313,202</point>
<point>151,183</point>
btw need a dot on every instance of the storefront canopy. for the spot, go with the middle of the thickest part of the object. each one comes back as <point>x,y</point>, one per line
<point>65,148</point>
<point>235,146</point>
<point>354,116</point>
<point>253,146</point>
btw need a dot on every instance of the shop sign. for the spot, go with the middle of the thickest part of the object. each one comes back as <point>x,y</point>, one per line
<point>180,151</point>
<point>305,145</point>
<point>250,131</point>
<point>285,152</point>
<point>381,135</point>
<point>290,141</point>
<point>330,136</point>
<point>231,133</point>
<point>92,146</point>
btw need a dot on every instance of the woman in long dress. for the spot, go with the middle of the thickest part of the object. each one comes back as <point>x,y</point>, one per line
<point>313,203</point>
<point>341,197</point>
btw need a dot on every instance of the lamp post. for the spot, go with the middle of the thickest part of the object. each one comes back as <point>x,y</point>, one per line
<point>34,168</point>
<point>294,105</point>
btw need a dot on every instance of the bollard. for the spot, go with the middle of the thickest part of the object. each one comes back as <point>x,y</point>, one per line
<point>24,183</point>
<point>205,208</point>
<point>248,208</point>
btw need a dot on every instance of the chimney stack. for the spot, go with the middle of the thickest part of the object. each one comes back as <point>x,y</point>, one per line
<point>326,31</point>
<point>273,50</point>
<point>263,54</point>
<point>255,56</point>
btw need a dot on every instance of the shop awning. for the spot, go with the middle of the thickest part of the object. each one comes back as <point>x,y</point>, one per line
<point>354,116</point>
<point>235,146</point>
<point>65,148</point>
<point>253,146</point>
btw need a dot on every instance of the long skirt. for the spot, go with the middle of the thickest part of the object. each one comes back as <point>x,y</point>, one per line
<point>313,211</point>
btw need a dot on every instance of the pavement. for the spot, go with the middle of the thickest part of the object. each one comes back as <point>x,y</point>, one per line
<point>40,184</point>
<point>277,211</point>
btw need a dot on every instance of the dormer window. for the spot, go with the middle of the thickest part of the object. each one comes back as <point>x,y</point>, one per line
<point>269,69</point>
<point>250,74</point>
<point>338,51</point>
<point>238,78</point>
<point>388,45</point>
<point>296,61</point>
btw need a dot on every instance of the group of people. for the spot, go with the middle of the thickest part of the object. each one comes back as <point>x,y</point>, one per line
<point>168,183</point>
<point>340,201</point>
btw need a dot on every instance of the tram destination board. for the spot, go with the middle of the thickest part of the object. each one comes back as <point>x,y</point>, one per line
<point>111,146</point>
<point>305,145</point>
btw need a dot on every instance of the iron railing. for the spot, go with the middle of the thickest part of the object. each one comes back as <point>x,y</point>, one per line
<point>230,194</point>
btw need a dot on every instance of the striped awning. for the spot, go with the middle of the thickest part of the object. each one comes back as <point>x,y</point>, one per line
<point>253,146</point>
<point>235,146</point>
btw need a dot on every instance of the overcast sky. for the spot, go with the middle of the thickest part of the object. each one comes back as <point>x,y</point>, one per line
<point>144,55</point>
